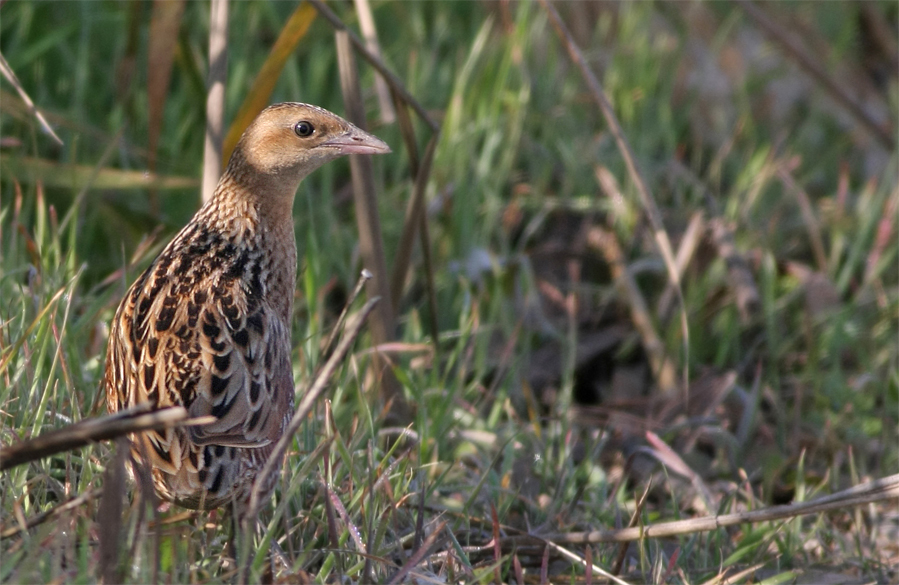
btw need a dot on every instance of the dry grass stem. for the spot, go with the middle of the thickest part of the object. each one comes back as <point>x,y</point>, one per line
<point>429,544</point>
<point>605,242</point>
<point>808,215</point>
<point>740,275</point>
<point>310,396</point>
<point>162,42</point>
<point>31,169</point>
<point>675,463</point>
<point>666,384</point>
<point>10,76</point>
<point>368,223</point>
<point>364,277</point>
<point>689,242</point>
<point>880,490</point>
<point>370,32</point>
<point>635,517</point>
<point>109,516</point>
<point>797,52</point>
<point>53,512</point>
<point>876,491</point>
<point>401,98</point>
<point>215,96</point>
<point>133,420</point>
<point>393,81</point>
<point>577,560</point>
<point>408,132</point>
<point>414,214</point>
<point>724,578</point>
<point>364,193</point>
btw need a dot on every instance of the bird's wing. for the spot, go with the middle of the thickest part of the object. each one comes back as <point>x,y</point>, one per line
<point>193,336</point>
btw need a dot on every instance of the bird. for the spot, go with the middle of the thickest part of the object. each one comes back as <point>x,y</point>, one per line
<point>207,325</point>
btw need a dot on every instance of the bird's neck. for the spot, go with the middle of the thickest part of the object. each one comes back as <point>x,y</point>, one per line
<point>261,224</point>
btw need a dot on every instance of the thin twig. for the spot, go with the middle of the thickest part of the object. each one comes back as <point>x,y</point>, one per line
<point>668,457</point>
<point>724,578</point>
<point>364,196</point>
<point>425,239</point>
<point>407,130</point>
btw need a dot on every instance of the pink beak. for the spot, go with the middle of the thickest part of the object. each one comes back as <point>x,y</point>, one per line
<point>356,141</point>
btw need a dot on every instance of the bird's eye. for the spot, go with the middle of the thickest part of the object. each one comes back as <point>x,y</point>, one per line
<point>304,129</point>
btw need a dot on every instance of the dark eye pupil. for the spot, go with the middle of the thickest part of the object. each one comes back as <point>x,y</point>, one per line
<point>304,129</point>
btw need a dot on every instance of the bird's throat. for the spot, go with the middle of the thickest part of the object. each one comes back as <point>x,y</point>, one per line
<point>261,229</point>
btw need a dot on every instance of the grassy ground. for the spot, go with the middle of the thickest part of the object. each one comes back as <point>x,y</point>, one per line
<point>534,414</point>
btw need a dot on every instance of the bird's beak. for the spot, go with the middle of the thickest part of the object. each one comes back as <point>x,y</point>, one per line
<point>356,141</point>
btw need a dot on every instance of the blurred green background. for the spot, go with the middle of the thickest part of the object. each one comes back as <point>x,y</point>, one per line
<point>542,386</point>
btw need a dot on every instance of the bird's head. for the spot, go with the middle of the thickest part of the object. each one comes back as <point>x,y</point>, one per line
<point>288,141</point>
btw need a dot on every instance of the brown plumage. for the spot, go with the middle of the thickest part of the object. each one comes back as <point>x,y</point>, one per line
<point>207,325</point>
